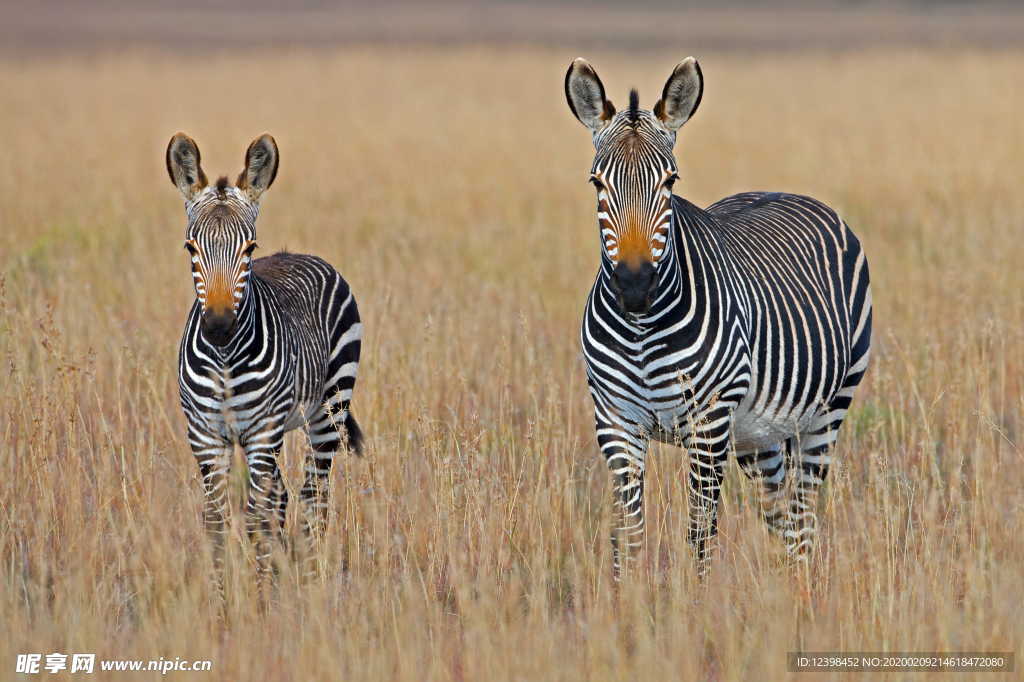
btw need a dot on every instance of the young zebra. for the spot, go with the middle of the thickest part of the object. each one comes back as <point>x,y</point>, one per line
<point>270,345</point>
<point>745,326</point>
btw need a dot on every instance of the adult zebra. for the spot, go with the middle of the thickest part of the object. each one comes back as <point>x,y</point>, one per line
<point>270,345</point>
<point>745,326</point>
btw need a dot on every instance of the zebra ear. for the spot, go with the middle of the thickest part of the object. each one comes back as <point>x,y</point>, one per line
<point>261,160</point>
<point>183,166</point>
<point>681,95</point>
<point>585,94</point>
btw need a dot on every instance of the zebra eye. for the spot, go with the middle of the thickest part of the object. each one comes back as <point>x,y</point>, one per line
<point>671,180</point>
<point>596,183</point>
<point>190,247</point>
<point>249,248</point>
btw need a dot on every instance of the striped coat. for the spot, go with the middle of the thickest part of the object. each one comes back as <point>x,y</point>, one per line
<point>741,328</point>
<point>270,345</point>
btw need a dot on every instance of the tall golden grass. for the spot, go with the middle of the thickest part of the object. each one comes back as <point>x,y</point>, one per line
<point>449,187</point>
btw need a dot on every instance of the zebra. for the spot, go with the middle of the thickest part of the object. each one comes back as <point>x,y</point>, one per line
<point>270,345</point>
<point>744,327</point>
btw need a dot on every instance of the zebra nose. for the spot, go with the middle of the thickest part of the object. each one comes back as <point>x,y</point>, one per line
<point>635,286</point>
<point>218,326</point>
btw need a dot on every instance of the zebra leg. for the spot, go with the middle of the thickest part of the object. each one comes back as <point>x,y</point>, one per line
<point>624,449</point>
<point>768,469</point>
<point>334,428</point>
<point>324,443</point>
<point>708,448</point>
<point>814,459</point>
<point>213,455</point>
<point>267,500</point>
<point>815,453</point>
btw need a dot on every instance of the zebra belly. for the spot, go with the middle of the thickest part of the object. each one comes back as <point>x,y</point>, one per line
<point>750,430</point>
<point>760,426</point>
<point>765,430</point>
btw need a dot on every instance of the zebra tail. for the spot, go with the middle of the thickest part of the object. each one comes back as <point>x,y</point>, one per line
<point>355,435</point>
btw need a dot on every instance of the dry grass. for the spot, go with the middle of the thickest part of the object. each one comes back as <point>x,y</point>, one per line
<point>449,187</point>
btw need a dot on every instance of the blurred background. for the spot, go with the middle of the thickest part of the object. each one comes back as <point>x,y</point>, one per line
<point>747,26</point>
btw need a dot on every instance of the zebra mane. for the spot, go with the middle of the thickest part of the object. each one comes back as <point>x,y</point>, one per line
<point>634,106</point>
<point>222,186</point>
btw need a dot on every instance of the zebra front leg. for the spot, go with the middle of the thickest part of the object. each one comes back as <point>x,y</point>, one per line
<point>767,468</point>
<point>267,501</point>
<point>707,447</point>
<point>624,448</point>
<point>213,455</point>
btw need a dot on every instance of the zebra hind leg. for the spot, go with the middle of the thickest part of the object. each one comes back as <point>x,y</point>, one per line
<point>814,445</point>
<point>815,456</point>
<point>768,469</point>
<point>333,429</point>
<point>814,448</point>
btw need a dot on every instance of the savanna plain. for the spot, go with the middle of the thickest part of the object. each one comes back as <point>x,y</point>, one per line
<point>450,188</point>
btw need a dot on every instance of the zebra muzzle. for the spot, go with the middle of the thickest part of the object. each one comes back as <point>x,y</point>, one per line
<point>218,326</point>
<point>635,286</point>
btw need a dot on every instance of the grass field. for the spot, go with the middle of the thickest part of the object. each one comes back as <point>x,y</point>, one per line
<point>449,187</point>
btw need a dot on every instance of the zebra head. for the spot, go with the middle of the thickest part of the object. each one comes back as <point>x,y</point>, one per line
<point>221,232</point>
<point>634,169</point>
